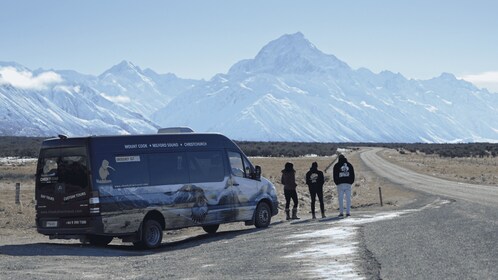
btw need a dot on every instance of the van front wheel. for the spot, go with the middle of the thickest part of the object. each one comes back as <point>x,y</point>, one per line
<point>152,235</point>
<point>262,215</point>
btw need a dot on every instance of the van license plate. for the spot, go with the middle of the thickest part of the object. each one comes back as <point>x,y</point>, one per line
<point>51,224</point>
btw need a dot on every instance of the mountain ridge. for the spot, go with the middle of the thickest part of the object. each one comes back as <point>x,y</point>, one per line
<point>290,91</point>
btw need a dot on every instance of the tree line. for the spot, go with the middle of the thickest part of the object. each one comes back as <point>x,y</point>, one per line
<point>12,146</point>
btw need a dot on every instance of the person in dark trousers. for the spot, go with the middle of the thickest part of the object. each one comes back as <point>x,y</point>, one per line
<point>289,182</point>
<point>344,178</point>
<point>315,181</point>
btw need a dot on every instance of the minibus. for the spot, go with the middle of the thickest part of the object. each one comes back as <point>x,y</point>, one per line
<point>134,187</point>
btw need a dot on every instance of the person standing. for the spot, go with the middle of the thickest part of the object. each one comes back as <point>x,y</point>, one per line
<point>315,181</point>
<point>344,178</point>
<point>289,182</point>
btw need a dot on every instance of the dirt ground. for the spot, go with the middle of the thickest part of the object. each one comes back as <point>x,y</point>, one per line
<point>483,171</point>
<point>19,219</point>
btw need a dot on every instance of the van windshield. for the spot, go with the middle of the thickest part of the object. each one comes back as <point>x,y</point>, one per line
<point>65,167</point>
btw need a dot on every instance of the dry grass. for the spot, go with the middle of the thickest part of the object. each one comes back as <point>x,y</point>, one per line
<point>20,218</point>
<point>469,170</point>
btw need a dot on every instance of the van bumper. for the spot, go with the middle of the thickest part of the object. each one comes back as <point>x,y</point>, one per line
<point>69,227</point>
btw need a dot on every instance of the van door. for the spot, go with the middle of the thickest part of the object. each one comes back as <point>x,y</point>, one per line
<point>215,195</point>
<point>246,189</point>
<point>62,189</point>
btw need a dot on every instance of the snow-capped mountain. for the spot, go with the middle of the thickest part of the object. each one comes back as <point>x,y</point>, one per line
<point>65,109</point>
<point>140,91</point>
<point>290,91</point>
<point>50,102</point>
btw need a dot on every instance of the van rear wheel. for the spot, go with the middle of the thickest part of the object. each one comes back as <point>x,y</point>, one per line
<point>262,215</point>
<point>211,228</point>
<point>152,235</point>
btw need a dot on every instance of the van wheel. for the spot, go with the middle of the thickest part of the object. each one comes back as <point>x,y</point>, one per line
<point>262,215</point>
<point>211,228</point>
<point>99,240</point>
<point>152,235</point>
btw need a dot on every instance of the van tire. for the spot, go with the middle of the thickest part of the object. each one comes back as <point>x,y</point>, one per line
<point>99,240</point>
<point>211,228</point>
<point>151,235</point>
<point>262,215</point>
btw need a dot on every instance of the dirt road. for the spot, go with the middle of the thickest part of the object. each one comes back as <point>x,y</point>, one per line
<point>456,240</point>
<point>482,194</point>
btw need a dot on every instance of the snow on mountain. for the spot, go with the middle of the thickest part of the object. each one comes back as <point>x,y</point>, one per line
<point>291,91</point>
<point>140,91</point>
<point>31,109</point>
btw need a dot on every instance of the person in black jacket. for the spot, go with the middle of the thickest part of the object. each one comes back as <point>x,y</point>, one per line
<point>315,180</point>
<point>344,178</point>
<point>289,181</point>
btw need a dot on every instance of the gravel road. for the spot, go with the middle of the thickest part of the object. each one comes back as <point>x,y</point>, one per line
<point>454,241</point>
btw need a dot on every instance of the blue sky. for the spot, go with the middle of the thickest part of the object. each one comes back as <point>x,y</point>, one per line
<point>197,39</point>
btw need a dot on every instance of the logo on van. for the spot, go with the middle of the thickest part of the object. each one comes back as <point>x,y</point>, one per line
<point>104,172</point>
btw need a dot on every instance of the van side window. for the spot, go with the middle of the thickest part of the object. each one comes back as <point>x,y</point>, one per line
<point>123,174</point>
<point>206,166</point>
<point>168,168</point>
<point>237,164</point>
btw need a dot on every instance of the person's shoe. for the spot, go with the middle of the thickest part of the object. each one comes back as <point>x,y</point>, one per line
<point>341,215</point>
<point>294,215</point>
<point>348,215</point>
<point>313,216</point>
<point>323,216</point>
<point>287,214</point>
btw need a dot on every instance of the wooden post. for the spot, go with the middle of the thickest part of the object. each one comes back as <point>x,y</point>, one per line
<point>18,193</point>
<point>380,195</point>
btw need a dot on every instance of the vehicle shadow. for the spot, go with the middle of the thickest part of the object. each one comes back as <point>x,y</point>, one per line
<point>118,250</point>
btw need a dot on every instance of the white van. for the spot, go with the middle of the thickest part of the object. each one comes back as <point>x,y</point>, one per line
<point>136,186</point>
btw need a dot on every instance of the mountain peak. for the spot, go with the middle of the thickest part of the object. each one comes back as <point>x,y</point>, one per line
<point>123,67</point>
<point>289,54</point>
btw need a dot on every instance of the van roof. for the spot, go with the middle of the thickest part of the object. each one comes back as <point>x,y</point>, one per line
<point>143,142</point>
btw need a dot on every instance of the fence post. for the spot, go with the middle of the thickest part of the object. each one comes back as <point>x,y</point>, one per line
<point>18,193</point>
<point>380,195</point>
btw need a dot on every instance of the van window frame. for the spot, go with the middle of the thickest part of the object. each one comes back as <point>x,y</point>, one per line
<point>247,167</point>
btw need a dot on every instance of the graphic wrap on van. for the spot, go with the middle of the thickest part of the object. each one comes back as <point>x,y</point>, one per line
<point>135,186</point>
<point>182,205</point>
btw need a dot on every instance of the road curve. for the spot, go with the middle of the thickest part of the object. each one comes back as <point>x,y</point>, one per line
<point>485,195</point>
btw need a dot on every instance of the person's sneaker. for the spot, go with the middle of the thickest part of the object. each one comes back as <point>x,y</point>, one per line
<point>323,216</point>
<point>341,215</point>
<point>348,215</point>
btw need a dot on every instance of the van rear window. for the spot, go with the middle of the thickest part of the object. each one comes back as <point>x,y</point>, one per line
<point>67,166</point>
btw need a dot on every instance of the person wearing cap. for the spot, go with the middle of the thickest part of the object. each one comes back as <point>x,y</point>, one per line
<point>315,181</point>
<point>289,181</point>
<point>344,178</point>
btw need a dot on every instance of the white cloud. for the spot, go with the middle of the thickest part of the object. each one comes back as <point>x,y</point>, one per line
<point>26,80</point>
<point>117,99</point>
<point>487,80</point>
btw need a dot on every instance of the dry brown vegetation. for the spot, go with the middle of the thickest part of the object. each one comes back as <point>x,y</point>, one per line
<point>19,218</point>
<point>474,170</point>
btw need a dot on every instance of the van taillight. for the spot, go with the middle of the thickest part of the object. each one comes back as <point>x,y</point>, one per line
<point>94,203</point>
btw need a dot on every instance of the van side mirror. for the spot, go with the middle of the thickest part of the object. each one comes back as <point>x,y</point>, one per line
<point>257,172</point>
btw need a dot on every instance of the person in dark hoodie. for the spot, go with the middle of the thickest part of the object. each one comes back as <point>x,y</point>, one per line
<point>315,181</point>
<point>344,178</point>
<point>289,182</point>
